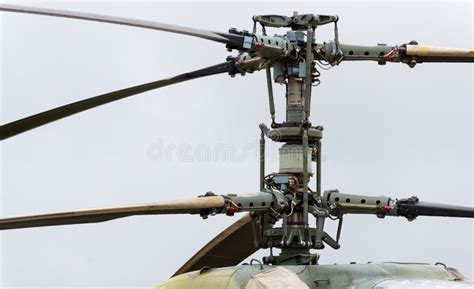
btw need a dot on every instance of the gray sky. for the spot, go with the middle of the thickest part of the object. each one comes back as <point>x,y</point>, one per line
<point>389,130</point>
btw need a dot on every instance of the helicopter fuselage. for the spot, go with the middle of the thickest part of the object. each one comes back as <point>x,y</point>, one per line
<point>337,276</point>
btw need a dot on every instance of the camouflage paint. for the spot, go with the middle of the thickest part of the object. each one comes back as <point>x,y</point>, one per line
<point>350,276</point>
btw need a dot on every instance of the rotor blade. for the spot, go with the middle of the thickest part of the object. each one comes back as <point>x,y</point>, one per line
<point>225,38</point>
<point>439,54</point>
<point>34,121</point>
<point>230,247</point>
<point>189,206</point>
<point>412,208</point>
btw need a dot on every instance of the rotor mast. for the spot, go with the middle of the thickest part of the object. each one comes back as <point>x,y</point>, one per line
<point>301,146</point>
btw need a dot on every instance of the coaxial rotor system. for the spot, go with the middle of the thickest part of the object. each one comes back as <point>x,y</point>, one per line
<point>290,58</point>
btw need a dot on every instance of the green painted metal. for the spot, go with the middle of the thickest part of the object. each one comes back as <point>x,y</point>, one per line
<point>340,276</point>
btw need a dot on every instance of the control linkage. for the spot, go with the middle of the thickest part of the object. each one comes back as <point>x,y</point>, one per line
<point>276,205</point>
<point>259,50</point>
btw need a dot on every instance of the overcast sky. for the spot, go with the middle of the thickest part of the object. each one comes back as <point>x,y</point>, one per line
<point>389,130</point>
